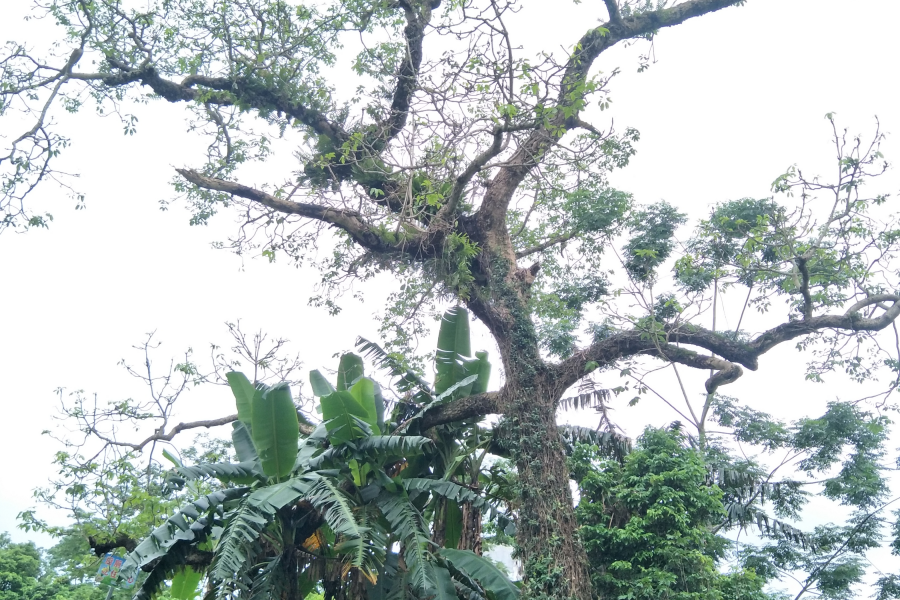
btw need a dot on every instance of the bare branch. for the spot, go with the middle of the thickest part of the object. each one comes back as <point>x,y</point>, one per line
<point>559,239</point>
<point>349,221</point>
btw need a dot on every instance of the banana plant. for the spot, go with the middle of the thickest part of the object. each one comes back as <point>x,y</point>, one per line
<point>324,510</point>
<point>459,449</point>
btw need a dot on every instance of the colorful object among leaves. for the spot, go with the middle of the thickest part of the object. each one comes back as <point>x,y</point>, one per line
<point>108,573</point>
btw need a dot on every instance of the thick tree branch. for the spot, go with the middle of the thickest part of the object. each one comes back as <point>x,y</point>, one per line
<point>849,321</point>
<point>804,288</point>
<point>349,221</point>
<point>227,91</point>
<point>612,7</point>
<point>588,48</point>
<point>418,15</point>
<point>732,353</point>
<point>464,408</point>
<point>633,343</point>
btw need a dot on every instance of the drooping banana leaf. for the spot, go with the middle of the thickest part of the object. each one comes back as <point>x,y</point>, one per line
<point>450,491</point>
<point>243,473</point>
<point>408,524</point>
<point>408,380</point>
<point>239,541</point>
<point>349,370</point>
<point>401,446</point>
<point>243,443</point>
<point>185,525</point>
<point>444,588</point>
<point>480,569</point>
<point>275,431</point>
<point>244,393</point>
<point>335,507</point>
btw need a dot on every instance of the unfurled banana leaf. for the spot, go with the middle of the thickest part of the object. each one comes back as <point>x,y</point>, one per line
<point>275,431</point>
<point>244,393</point>
<point>379,408</point>
<point>364,392</point>
<point>349,370</point>
<point>481,570</point>
<point>484,373</point>
<point>320,385</point>
<point>453,348</point>
<point>338,411</point>
<point>184,584</point>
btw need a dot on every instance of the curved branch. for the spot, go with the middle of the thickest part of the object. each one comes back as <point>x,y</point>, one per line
<point>228,90</point>
<point>162,436</point>
<point>732,353</point>
<point>559,239</point>
<point>587,49</point>
<point>408,73</point>
<point>349,221</point>
<point>849,321</point>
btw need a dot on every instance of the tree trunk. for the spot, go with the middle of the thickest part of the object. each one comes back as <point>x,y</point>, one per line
<point>471,529</point>
<point>554,562</point>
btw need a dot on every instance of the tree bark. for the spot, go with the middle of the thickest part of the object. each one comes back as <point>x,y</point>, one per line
<point>555,564</point>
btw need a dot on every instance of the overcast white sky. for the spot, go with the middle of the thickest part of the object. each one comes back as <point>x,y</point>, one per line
<point>733,99</point>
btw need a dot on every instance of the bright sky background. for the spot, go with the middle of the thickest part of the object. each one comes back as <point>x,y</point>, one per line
<point>733,99</point>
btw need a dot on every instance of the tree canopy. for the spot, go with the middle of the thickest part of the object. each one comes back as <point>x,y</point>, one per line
<point>469,170</point>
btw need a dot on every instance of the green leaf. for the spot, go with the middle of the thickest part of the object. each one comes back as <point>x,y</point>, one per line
<point>244,393</point>
<point>452,524</point>
<point>349,370</point>
<point>379,408</point>
<point>243,443</point>
<point>276,431</point>
<point>444,588</point>
<point>453,347</point>
<point>484,373</point>
<point>364,393</point>
<point>480,569</point>
<point>320,385</point>
<point>243,473</point>
<point>184,584</point>
<point>171,458</point>
<point>338,410</point>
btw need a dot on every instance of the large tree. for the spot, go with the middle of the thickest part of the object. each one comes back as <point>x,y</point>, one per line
<point>466,168</point>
